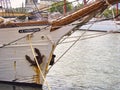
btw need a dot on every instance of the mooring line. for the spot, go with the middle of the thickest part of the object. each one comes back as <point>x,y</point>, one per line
<point>30,42</point>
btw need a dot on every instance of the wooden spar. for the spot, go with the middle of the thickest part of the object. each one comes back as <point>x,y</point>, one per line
<point>30,23</point>
<point>98,5</point>
<point>95,6</point>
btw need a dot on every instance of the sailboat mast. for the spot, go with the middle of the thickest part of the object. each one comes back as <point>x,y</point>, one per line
<point>85,2</point>
<point>117,9</point>
<point>64,7</point>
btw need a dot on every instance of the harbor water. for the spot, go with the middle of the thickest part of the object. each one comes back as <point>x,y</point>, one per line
<point>93,63</point>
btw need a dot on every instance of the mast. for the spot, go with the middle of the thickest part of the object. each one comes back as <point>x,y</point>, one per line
<point>64,7</point>
<point>117,5</point>
<point>85,2</point>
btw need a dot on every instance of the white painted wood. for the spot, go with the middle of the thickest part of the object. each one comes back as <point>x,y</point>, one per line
<point>16,51</point>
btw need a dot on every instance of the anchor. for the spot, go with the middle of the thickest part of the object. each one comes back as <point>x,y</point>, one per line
<point>39,58</point>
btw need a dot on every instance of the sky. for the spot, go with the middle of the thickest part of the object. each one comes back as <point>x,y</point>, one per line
<point>18,3</point>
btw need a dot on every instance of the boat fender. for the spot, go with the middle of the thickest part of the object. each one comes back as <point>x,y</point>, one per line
<point>52,59</point>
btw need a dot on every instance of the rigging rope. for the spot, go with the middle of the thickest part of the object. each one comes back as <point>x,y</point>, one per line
<point>50,6</point>
<point>100,34</point>
<point>113,14</point>
<point>30,42</point>
<point>4,45</point>
<point>114,19</point>
<point>72,45</point>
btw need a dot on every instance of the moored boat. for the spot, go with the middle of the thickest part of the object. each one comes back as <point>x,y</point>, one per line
<point>27,49</point>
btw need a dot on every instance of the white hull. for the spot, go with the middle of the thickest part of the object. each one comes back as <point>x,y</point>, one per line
<point>13,64</point>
